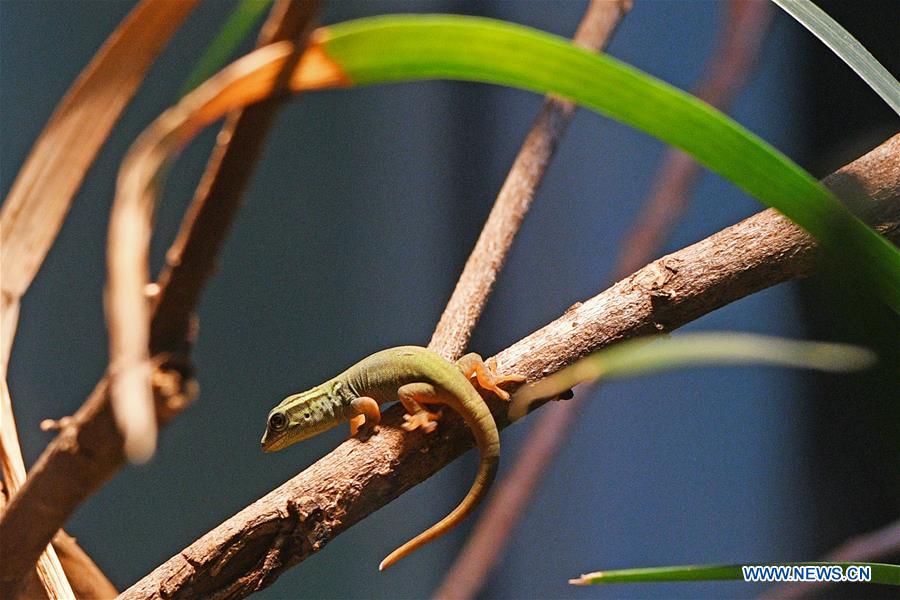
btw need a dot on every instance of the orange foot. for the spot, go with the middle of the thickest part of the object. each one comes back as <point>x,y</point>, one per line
<point>424,420</point>
<point>486,374</point>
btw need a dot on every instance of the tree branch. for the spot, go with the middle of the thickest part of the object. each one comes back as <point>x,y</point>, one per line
<point>477,280</point>
<point>88,449</point>
<point>49,570</point>
<point>88,581</point>
<point>250,550</point>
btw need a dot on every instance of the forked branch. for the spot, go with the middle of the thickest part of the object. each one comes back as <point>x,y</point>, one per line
<point>525,176</point>
<point>250,550</point>
<point>88,449</point>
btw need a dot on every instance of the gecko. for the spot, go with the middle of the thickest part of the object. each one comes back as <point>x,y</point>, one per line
<point>415,376</point>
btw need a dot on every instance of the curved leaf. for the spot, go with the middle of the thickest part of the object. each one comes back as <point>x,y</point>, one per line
<point>404,48</point>
<point>847,47</point>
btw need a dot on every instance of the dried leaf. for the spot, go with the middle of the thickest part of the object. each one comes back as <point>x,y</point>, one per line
<point>41,195</point>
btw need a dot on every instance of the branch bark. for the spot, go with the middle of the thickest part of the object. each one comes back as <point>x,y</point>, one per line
<point>451,336</point>
<point>88,450</point>
<point>49,571</point>
<point>250,550</point>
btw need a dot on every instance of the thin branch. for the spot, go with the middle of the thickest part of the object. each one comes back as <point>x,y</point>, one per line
<point>88,581</point>
<point>250,550</point>
<point>192,258</point>
<point>88,449</point>
<point>49,570</point>
<point>739,41</point>
<point>727,72</point>
<point>881,545</point>
<point>477,280</point>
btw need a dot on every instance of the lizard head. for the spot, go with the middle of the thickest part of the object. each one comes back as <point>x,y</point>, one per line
<point>301,416</point>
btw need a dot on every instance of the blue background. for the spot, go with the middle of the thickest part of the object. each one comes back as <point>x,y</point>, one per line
<point>357,223</point>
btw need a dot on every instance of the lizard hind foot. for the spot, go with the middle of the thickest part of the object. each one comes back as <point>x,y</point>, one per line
<point>424,420</point>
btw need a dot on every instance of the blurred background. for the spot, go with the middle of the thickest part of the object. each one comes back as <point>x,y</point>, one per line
<point>357,223</point>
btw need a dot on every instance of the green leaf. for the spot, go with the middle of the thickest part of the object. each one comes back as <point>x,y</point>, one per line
<point>403,48</point>
<point>881,573</point>
<point>236,28</point>
<point>847,47</point>
<point>637,357</point>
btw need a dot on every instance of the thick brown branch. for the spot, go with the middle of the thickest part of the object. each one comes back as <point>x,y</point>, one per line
<point>250,550</point>
<point>87,581</point>
<point>477,280</point>
<point>49,571</point>
<point>88,450</point>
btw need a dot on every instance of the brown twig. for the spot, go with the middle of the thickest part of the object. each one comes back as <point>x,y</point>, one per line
<point>192,258</point>
<point>49,570</point>
<point>735,52</point>
<point>88,582</point>
<point>88,449</point>
<point>881,545</point>
<point>250,550</point>
<point>451,336</point>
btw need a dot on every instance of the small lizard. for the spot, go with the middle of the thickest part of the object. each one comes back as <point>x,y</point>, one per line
<point>414,376</point>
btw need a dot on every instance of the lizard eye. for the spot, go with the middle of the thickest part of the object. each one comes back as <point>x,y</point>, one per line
<point>305,415</point>
<point>277,421</point>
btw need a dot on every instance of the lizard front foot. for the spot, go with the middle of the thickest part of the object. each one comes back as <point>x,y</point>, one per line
<point>424,420</point>
<point>366,417</point>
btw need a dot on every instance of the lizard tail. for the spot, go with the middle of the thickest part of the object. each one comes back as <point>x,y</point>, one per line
<point>488,440</point>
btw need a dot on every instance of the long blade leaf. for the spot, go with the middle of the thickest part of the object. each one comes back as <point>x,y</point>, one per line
<point>403,48</point>
<point>881,573</point>
<point>637,357</point>
<point>847,47</point>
